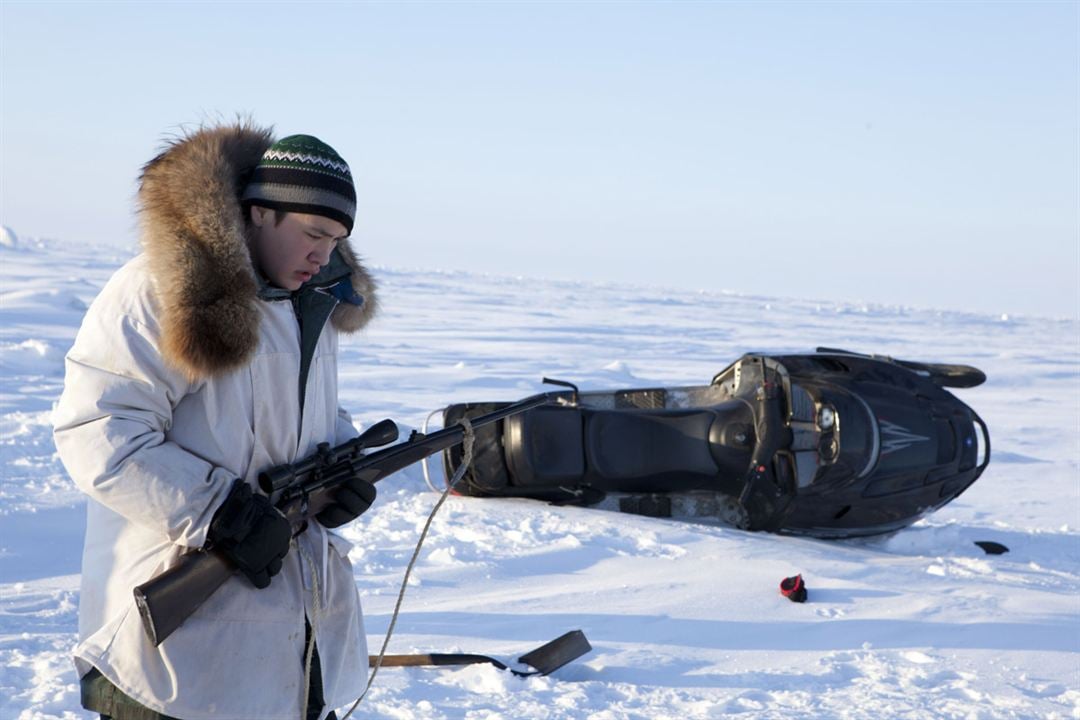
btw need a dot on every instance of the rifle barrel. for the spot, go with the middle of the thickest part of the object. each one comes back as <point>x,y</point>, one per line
<point>382,463</point>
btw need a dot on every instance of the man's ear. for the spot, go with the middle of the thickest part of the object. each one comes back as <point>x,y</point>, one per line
<point>258,215</point>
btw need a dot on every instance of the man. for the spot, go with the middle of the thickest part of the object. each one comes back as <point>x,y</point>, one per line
<point>205,360</point>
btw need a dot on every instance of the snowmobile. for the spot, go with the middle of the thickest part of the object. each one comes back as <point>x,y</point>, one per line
<point>830,444</point>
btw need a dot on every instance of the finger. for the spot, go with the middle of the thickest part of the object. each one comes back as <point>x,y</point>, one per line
<point>334,516</point>
<point>352,501</point>
<point>363,489</point>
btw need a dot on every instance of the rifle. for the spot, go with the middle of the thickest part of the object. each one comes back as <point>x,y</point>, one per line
<point>300,491</point>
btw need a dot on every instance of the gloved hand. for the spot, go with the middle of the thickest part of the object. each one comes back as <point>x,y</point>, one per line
<point>252,533</point>
<point>350,501</point>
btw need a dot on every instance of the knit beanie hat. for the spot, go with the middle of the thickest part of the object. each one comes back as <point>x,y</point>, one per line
<point>301,173</point>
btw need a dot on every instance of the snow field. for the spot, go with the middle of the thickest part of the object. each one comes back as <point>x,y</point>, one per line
<point>685,619</point>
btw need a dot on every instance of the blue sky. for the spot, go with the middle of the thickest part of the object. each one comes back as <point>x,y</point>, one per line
<point>923,154</point>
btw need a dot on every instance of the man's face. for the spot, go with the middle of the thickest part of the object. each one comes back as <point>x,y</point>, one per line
<point>289,253</point>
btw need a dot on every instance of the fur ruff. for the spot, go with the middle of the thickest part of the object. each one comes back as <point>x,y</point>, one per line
<point>193,233</point>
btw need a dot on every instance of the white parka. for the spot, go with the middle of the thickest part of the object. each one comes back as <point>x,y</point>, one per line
<point>156,447</point>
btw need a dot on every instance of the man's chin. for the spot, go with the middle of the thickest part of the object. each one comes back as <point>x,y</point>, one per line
<point>289,284</point>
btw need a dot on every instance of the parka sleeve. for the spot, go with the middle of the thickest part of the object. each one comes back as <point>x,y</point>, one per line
<point>110,429</point>
<point>344,430</point>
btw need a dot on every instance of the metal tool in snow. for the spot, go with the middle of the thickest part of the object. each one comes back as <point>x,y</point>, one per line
<point>544,660</point>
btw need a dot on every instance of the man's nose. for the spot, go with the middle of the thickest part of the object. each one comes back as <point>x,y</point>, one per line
<point>321,254</point>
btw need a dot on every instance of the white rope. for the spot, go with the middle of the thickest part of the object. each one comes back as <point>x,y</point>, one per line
<point>458,474</point>
<point>316,610</point>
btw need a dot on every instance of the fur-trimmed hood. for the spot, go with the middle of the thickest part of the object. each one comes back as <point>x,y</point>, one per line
<point>193,233</point>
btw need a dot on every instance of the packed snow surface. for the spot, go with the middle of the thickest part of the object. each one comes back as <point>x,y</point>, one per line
<point>685,619</point>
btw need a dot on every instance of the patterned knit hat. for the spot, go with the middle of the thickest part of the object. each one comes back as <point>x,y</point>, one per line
<point>301,173</point>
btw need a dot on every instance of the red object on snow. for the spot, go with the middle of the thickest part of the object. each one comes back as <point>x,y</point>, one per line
<point>793,589</point>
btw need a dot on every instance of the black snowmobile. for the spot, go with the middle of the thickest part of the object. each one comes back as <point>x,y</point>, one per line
<point>831,444</point>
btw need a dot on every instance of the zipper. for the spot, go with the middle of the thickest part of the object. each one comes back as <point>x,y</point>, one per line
<point>305,368</point>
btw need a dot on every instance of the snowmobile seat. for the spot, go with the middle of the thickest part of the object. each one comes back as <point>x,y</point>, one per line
<point>656,449</point>
<point>635,444</point>
<point>543,446</point>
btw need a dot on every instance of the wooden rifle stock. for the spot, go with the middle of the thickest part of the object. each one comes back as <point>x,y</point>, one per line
<point>167,600</point>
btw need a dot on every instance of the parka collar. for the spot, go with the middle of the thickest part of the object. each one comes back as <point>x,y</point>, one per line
<point>193,233</point>
<point>330,275</point>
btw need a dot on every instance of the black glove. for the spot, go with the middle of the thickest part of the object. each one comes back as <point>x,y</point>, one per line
<point>350,501</point>
<point>252,533</point>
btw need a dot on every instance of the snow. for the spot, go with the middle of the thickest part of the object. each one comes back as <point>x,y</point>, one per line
<point>685,619</point>
<point>8,238</point>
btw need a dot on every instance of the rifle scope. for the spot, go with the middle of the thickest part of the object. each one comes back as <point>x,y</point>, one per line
<point>280,477</point>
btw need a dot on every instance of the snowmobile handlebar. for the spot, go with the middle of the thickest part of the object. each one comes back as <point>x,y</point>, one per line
<point>300,491</point>
<point>765,494</point>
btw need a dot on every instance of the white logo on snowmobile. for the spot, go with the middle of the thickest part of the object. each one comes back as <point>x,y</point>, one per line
<point>894,437</point>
